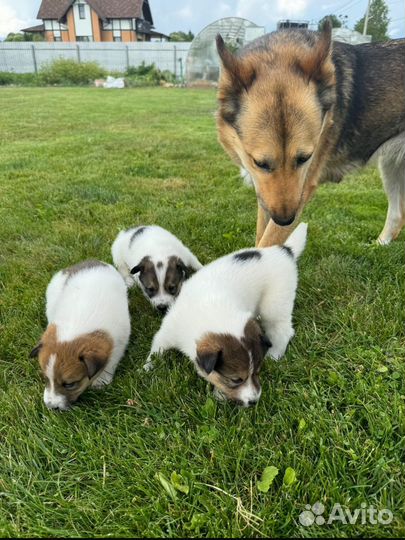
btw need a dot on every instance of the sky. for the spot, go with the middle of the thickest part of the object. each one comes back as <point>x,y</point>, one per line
<point>194,15</point>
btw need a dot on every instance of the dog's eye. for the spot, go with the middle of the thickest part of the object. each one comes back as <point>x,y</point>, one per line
<point>70,386</point>
<point>302,158</point>
<point>264,165</point>
<point>237,382</point>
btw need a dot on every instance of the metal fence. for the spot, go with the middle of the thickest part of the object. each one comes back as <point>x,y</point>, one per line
<point>28,57</point>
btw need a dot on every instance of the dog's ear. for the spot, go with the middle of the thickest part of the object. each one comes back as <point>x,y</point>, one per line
<point>265,343</point>
<point>241,73</point>
<point>137,268</point>
<point>316,64</point>
<point>210,361</point>
<point>94,363</point>
<point>35,351</point>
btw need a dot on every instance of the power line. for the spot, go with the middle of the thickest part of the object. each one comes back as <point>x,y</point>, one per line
<point>345,6</point>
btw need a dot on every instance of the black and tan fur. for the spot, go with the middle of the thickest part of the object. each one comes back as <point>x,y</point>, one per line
<point>296,109</point>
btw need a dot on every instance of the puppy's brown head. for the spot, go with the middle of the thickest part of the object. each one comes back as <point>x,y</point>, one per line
<point>69,367</point>
<point>232,364</point>
<point>272,102</point>
<point>161,280</point>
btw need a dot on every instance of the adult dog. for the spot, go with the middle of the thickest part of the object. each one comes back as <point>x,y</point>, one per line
<point>296,109</point>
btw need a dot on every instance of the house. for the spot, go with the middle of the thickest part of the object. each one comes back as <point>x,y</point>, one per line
<point>95,20</point>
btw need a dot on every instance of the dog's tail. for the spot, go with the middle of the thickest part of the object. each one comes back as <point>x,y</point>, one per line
<point>297,239</point>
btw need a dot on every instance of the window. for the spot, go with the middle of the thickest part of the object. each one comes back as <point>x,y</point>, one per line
<point>84,38</point>
<point>117,38</point>
<point>82,11</point>
<point>57,38</point>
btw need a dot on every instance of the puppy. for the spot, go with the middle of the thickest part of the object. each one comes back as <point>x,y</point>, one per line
<point>214,323</point>
<point>156,261</point>
<point>88,331</point>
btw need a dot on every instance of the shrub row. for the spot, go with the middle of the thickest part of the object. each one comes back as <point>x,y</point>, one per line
<point>63,72</point>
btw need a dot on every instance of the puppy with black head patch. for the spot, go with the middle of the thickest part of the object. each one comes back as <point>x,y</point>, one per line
<point>155,260</point>
<point>214,319</point>
<point>87,334</point>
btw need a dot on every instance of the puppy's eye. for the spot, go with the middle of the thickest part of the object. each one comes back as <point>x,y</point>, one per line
<point>302,158</point>
<point>264,165</point>
<point>70,386</point>
<point>150,291</point>
<point>237,382</point>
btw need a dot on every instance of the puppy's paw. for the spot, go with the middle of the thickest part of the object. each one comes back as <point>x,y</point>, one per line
<point>102,381</point>
<point>148,366</point>
<point>275,354</point>
<point>129,281</point>
<point>383,241</point>
<point>218,395</point>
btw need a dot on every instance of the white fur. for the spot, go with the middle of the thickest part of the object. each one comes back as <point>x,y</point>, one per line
<point>92,299</point>
<point>159,245</point>
<point>52,399</point>
<point>225,294</point>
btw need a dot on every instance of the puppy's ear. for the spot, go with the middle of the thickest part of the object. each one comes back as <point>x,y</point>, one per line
<point>93,363</point>
<point>137,268</point>
<point>210,361</point>
<point>181,266</point>
<point>265,343</point>
<point>35,351</point>
<point>186,271</point>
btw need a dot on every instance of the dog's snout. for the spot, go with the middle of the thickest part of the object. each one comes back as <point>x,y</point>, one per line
<point>282,220</point>
<point>252,402</point>
<point>162,308</point>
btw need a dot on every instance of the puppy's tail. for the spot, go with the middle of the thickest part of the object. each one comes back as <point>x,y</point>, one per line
<point>297,239</point>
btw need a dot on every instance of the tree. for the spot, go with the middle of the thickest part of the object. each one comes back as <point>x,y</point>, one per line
<point>12,36</point>
<point>336,22</point>
<point>181,36</point>
<point>26,36</point>
<point>378,20</point>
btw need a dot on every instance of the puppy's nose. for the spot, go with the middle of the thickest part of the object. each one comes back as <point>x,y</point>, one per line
<point>252,402</point>
<point>162,308</point>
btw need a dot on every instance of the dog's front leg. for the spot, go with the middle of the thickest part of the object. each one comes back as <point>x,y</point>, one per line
<point>263,218</point>
<point>275,234</point>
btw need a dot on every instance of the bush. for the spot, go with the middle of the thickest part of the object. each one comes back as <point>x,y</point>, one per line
<point>6,78</point>
<point>69,72</point>
<point>18,79</point>
<point>147,75</point>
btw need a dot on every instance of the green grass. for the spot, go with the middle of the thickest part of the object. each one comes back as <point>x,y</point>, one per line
<point>76,166</point>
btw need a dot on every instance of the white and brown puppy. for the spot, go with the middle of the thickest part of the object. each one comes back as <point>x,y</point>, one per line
<point>156,260</point>
<point>213,321</point>
<point>87,334</point>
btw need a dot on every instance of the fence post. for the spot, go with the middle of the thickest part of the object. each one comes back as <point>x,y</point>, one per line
<point>78,52</point>
<point>175,61</point>
<point>127,55</point>
<point>34,58</point>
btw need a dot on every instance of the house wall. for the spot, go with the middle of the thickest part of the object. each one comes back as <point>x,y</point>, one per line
<point>96,26</point>
<point>71,26</point>
<point>83,27</point>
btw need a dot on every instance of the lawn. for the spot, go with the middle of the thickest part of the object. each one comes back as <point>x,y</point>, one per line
<point>76,166</point>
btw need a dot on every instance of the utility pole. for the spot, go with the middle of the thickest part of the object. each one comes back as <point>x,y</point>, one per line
<point>366,18</point>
